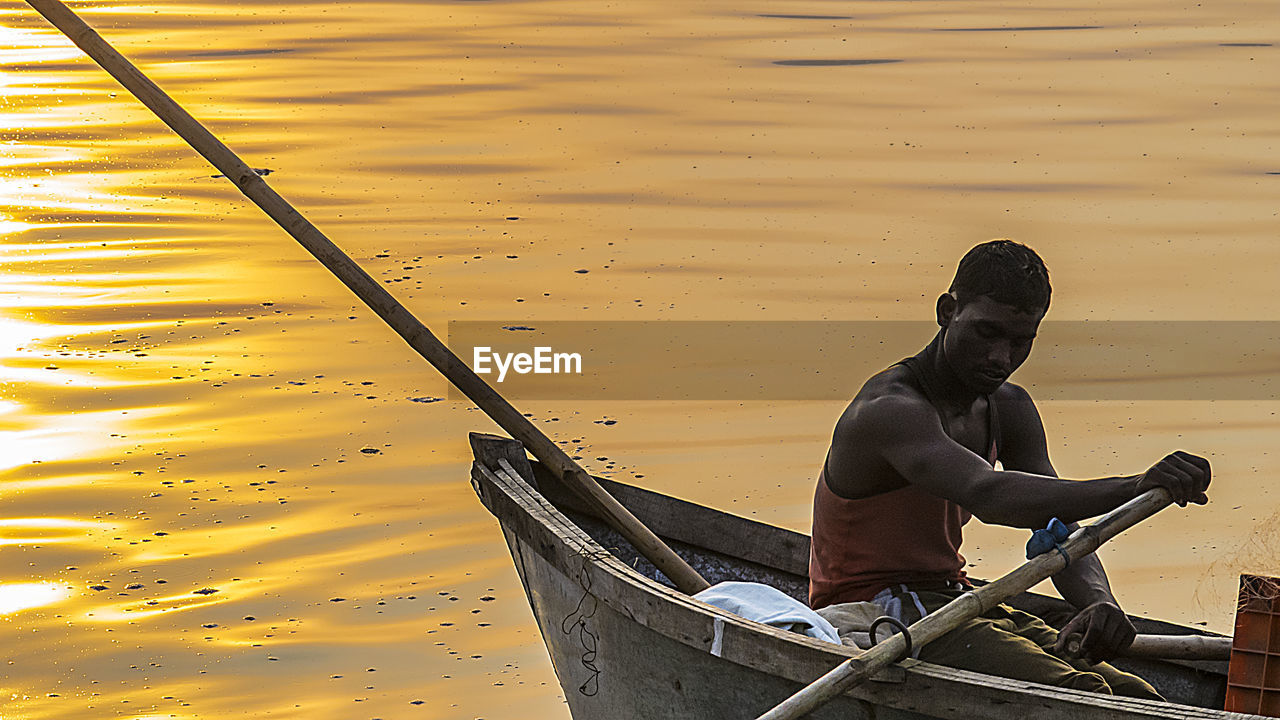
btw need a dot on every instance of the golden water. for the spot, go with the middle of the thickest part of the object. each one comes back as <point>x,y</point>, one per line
<point>186,394</point>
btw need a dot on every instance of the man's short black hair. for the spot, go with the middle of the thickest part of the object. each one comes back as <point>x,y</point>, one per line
<point>1005,271</point>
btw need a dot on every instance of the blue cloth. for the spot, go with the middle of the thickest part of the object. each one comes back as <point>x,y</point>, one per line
<point>768,605</point>
<point>1042,541</point>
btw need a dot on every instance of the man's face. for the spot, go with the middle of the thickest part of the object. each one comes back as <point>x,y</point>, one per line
<point>985,341</point>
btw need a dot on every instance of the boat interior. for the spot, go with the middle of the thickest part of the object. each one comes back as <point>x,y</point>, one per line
<point>722,547</point>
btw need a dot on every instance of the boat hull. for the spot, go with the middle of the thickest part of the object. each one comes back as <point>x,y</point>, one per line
<point>625,645</point>
<point>610,666</point>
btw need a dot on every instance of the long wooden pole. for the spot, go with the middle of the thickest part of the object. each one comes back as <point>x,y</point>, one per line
<point>370,291</point>
<point>1172,647</point>
<point>855,671</point>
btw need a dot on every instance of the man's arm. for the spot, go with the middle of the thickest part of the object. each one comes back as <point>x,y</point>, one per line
<point>907,435</point>
<point>1103,628</point>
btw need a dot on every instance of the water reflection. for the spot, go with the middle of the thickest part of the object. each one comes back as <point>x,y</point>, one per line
<point>16,597</point>
<point>44,530</point>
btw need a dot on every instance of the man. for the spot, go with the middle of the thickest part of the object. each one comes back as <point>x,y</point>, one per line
<point>914,456</point>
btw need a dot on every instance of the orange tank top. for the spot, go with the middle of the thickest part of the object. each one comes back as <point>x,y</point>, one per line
<point>907,536</point>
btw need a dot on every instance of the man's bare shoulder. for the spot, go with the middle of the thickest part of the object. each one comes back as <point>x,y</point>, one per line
<point>1014,401</point>
<point>888,396</point>
<point>888,411</point>
<point>895,381</point>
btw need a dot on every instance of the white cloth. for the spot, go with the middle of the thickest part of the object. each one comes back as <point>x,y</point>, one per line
<point>768,605</point>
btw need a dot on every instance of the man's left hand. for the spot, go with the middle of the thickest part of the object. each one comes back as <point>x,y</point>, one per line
<point>1102,629</point>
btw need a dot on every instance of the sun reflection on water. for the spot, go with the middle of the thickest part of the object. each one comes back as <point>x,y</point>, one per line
<point>9,225</point>
<point>44,530</point>
<point>16,597</point>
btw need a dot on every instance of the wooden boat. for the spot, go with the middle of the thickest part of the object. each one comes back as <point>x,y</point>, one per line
<point>625,644</point>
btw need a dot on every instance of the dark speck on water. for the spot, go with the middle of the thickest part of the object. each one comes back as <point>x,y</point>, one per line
<point>582,272</point>
<point>827,63</point>
<point>514,328</point>
<point>205,591</point>
<point>807,17</point>
<point>1245,44</point>
<point>240,53</point>
<point>425,399</point>
<point>370,451</point>
<point>1033,28</point>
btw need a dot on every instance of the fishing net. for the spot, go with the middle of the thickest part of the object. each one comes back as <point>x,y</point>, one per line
<point>1258,556</point>
<point>1259,594</point>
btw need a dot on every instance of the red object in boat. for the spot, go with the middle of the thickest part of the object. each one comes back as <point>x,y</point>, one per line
<point>1253,680</point>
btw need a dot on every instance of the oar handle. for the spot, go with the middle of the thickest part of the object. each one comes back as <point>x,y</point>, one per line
<point>1167,647</point>
<point>855,671</point>
<point>371,292</point>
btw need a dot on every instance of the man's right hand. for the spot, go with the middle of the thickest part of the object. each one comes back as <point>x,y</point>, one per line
<point>1184,475</point>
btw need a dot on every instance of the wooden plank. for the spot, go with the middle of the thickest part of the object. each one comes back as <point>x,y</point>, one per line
<point>490,449</point>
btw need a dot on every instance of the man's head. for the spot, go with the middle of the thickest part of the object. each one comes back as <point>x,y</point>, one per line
<point>990,315</point>
<point>1005,271</point>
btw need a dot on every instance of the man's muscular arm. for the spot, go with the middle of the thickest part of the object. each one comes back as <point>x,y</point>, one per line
<point>1102,627</point>
<point>905,430</point>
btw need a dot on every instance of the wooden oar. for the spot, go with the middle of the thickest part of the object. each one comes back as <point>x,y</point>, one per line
<point>854,671</point>
<point>371,292</point>
<point>1171,647</point>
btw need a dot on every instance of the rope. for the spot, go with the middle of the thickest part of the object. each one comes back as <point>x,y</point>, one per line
<point>587,639</point>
